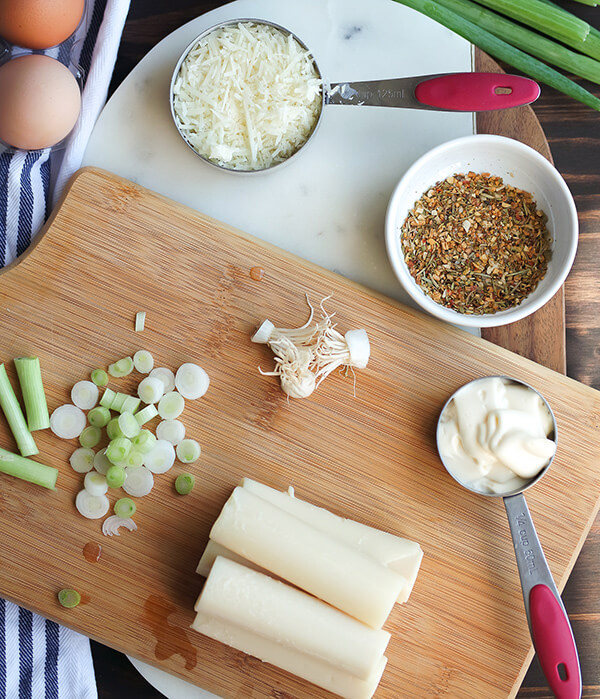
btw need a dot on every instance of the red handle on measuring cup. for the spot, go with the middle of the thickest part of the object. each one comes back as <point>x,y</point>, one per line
<point>477,92</point>
<point>554,643</point>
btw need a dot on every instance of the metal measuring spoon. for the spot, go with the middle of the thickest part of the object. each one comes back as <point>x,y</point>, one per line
<point>548,621</point>
<point>447,92</point>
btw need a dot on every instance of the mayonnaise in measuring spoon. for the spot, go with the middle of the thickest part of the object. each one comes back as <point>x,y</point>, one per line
<point>493,435</point>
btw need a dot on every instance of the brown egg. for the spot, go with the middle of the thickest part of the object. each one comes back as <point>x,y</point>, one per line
<point>39,24</point>
<point>40,102</point>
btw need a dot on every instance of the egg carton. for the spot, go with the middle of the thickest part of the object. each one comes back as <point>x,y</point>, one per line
<point>66,53</point>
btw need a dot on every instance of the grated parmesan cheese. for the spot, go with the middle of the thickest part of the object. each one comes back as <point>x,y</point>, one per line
<point>247,96</point>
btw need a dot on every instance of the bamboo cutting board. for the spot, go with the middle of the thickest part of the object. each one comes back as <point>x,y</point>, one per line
<point>113,249</point>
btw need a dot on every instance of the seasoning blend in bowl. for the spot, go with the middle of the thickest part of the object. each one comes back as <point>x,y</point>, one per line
<point>481,231</point>
<point>246,95</point>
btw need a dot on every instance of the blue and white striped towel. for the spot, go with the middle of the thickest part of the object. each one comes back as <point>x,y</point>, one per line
<point>38,658</point>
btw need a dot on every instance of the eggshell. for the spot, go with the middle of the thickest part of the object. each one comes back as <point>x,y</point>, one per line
<point>40,102</point>
<point>39,24</point>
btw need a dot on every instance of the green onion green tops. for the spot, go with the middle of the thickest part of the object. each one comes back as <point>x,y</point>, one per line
<point>14,415</point>
<point>69,598</point>
<point>184,483</point>
<point>30,378</point>
<point>125,507</point>
<point>99,377</point>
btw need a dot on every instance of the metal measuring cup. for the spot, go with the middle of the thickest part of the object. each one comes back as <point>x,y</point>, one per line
<point>548,621</point>
<point>453,92</point>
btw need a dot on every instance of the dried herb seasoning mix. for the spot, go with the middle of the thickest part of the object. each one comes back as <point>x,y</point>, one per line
<point>475,244</point>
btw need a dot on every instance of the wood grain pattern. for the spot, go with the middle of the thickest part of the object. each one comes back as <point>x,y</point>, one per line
<point>113,249</point>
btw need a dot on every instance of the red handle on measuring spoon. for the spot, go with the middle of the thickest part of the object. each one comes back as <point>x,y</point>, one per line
<point>477,92</point>
<point>554,643</point>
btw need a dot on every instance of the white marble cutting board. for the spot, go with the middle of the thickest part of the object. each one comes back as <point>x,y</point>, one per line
<point>328,204</point>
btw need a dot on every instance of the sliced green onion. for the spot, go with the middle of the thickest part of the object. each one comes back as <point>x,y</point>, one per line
<point>118,450</point>
<point>188,451</point>
<point>90,437</point>
<point>138,482</point>
<point>82,460</point>
<point>130,404</point>
<point>28,470</point>
<point>91,506</point>
<point>517,35</point>
<point>107,398</point>
<point>151,389</point>
<point>113,430</point>
<point>161,458</point>
<point>69,598</point>
<point>128,425</point>
<point>140,320</point>
<point>143,361</point>
<point>118,401</point>
<point>146,414</point>
<point>101,462</point>
<point>191,381</point>
<point>590,45</point>
<point>125,507</point>
<point>166,376</point>
<point>32,389</point>
<point>67,421</point>
<point>14,415</point>
<point>184,483</point>
<point>171,405</point>
<point>115,476</point>
<point>95,483</point>
<point>99,377</point>
<point>144,442</point>
<point>84,395</point>
<point>121,368</point>
<point>99,416</point>
<point>135,459</point>
<point>171,430</point>
<point>505,52</point>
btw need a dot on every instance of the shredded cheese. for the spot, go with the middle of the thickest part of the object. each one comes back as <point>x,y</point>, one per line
<point>247,96</point>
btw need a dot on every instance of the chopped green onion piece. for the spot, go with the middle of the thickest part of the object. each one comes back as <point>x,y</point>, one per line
<point>125,507</point>
<point>113,429</point>
<point>14,415</point>
<point>99,416</point>
<point>128,425</point>
<point>99,377</point>
<point>95,483</point>
<point>151,389</point>
<point>188,451</point>
<point>69,598</point>
<point>146,414</point>
<point>28,470</point>
<point>115,476</point>
<point>171,405</point>
<point>107,398</point>
<point>144,442</point>
<point>135,459</point>
<point>184,483</point>
<point>84,395</point>
<point>101,462</point>
<point>118,450</point>
<point>32,389</point>
<point>118,402</point>
<point>131,404</point>
<point>90,437</point>
<point>501,49</point>
<point>121,368</point>
<point>171,430</point>
<point>140,320</point>
<point>143,361</point>
<point>82,460</point>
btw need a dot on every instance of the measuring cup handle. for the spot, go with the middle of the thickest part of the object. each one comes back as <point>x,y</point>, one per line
<point>476,92</point>
<point>548,621</point>
<point>554,643</point>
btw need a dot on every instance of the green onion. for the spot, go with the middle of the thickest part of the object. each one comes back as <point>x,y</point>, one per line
<point>128,425</point>
<point>69,598</point>
<point>125,507</point>
<point>551,20</point>
<point>131,404</point>
<point>500,49</point>
<point>99,416</point>
<point>32,388</point>
<point>144,442</point>
<point>591,45</point>
<point>184,483</point>
<point>146,414</point>
<point>121,368</point>
<point>107,398</point>
<point>118,402</point>
<point>113,430</point>
<point>28,470</point>
<point>99,377</point>
<point>14,415</point>
<point>118,450</point>
<point>135,459</point>
<point>115,476</point>
<point>524,39</point>
<point>188,451</point>
<point>90,437</point>
<point>140,320</point>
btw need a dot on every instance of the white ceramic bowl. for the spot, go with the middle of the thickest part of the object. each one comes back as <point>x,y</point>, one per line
<point>518,165</point>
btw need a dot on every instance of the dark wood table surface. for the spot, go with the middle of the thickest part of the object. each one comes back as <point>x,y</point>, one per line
<point>573,132</point>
